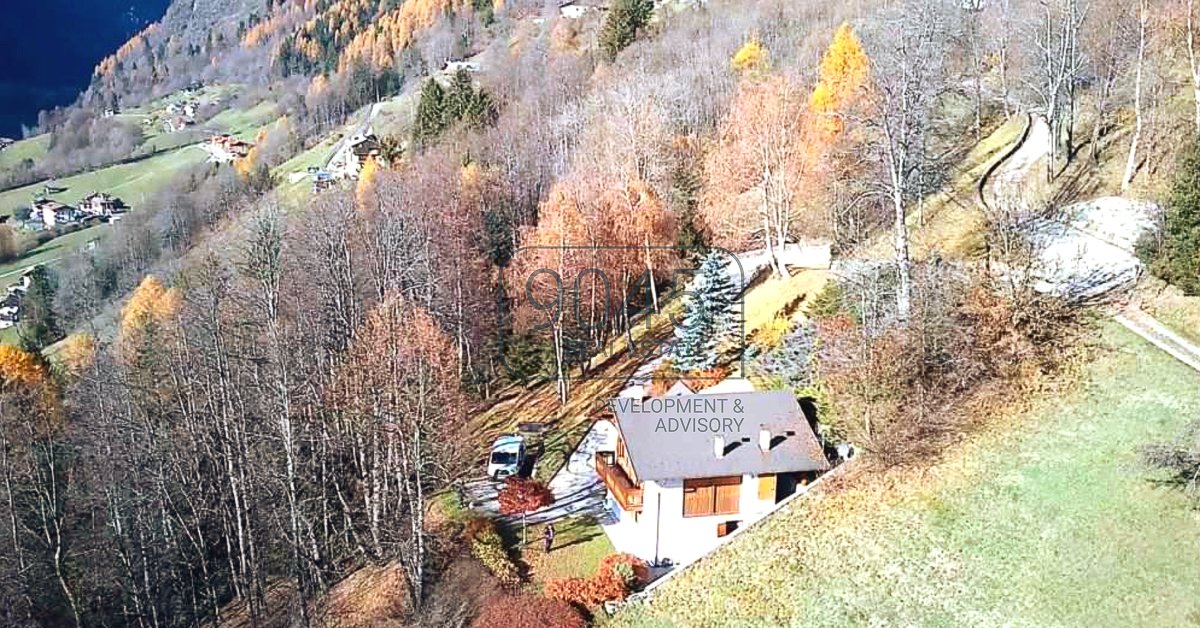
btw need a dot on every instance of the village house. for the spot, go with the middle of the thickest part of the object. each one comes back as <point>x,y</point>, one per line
<point>452,67</point>
<point>577,9</point>
<point>99,204</point>
<point>176,123</point>
<point>689,469</point>
<point>226,148</point>
<point>10,305</point>
<point>53,212</point>
<point>355,152</point>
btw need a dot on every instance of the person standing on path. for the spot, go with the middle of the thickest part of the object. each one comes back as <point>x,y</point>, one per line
<point>549,536</point>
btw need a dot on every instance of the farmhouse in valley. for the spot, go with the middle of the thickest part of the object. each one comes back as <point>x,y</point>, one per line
<point>688,470</point>
<point>10,304</point>
<point>226,148</point>
<point>349,160</point>
<point>100,204</point>
<point>53,212</point>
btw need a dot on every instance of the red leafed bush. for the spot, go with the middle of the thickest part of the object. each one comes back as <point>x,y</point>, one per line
<point>616,577</point>
<point>572,591</point>
<point>523,495</point>
<point>631,569</point>
<point>528,611</point>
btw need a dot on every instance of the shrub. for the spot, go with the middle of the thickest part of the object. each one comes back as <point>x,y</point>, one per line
<point>495,558</point>
<point>488,547</point>
<point>572,590</point>
<point>477,526</point>
<point>616,577</point>
<point>528,611</point>
<point>524,495</point>
<point>633,571</point>
<point>769,336</point>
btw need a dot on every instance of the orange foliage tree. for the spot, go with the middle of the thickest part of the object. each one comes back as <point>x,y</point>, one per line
<point>592,248</point>
<point>758,174</point>
<point>151,304</point>
<point>377,44</point>
<point>364,190</point>
<point>751,57</point>
<point>399,405</point>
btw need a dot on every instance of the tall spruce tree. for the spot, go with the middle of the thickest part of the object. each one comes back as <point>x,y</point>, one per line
<point>709,317</point>
<point>432,116</point>
<point>465,103</point>
<point>39,325</point>
<point>625,19</point>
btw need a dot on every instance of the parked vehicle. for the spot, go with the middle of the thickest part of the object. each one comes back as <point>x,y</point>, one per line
<point>507,456</point>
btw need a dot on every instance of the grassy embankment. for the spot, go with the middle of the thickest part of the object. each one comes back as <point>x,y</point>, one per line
<point>1047,518</point>
<point>30,148</point>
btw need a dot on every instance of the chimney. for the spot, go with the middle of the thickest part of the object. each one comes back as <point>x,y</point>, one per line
<point>764,440</point>
<point>719,447</point>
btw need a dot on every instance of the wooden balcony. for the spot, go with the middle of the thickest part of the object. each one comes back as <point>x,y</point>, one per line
<point>628,495</point>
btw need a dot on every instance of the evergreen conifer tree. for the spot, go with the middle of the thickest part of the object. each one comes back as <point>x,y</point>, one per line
<point>1176,259</point>
<point>39,326</point>
<point>625,19</point>
<point>709,317</point>
<point>431,117</point>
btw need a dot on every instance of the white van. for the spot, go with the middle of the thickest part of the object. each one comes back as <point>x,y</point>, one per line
<point>508,453</point>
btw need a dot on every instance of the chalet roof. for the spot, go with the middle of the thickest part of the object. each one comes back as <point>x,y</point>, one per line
<point>41,204</point>
<point>675,437</point>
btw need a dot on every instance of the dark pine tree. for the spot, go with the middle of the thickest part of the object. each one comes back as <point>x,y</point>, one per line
<point>39,326</point>
<point>625,19</point>
<point>431,117</point>
<point>708,319</point>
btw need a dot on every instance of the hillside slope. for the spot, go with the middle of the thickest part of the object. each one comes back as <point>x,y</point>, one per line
<point>1046,519</point>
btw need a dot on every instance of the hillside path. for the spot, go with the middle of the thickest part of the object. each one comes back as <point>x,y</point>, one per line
<point>1157,334</point>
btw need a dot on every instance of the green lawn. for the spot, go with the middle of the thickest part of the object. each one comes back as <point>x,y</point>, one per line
<point>244,123</point>
<point>298,191</point>
<point>133,182</point>
<point>1049,520</point>
<point>32,148</point>
<point>49,252</point>
<point>579,546</point>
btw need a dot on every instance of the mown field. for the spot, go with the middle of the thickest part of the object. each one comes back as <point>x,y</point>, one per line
<point>1046,519</point>
<point>133,182</point>
<point>29,148</point>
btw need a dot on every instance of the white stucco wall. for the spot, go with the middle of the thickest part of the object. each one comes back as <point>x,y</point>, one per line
<point>679,538</point>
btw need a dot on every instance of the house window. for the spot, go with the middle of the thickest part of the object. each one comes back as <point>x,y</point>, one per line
<point>711,496</point>
<point>766,487</point>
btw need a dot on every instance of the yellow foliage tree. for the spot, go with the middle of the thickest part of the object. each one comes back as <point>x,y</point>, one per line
<point>151,303</point>
<point>751,57</point>
<point>364,191</point>
<point>844,71</point>
<point>78,352</point>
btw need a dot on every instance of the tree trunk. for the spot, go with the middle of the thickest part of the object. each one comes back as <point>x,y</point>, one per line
<point>1131,162</point>
<point>1192,61</point>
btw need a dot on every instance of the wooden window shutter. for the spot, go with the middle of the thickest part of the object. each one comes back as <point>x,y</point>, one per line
<point>728,497</point>
<point>697,498</point>
<point>766,486</point>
